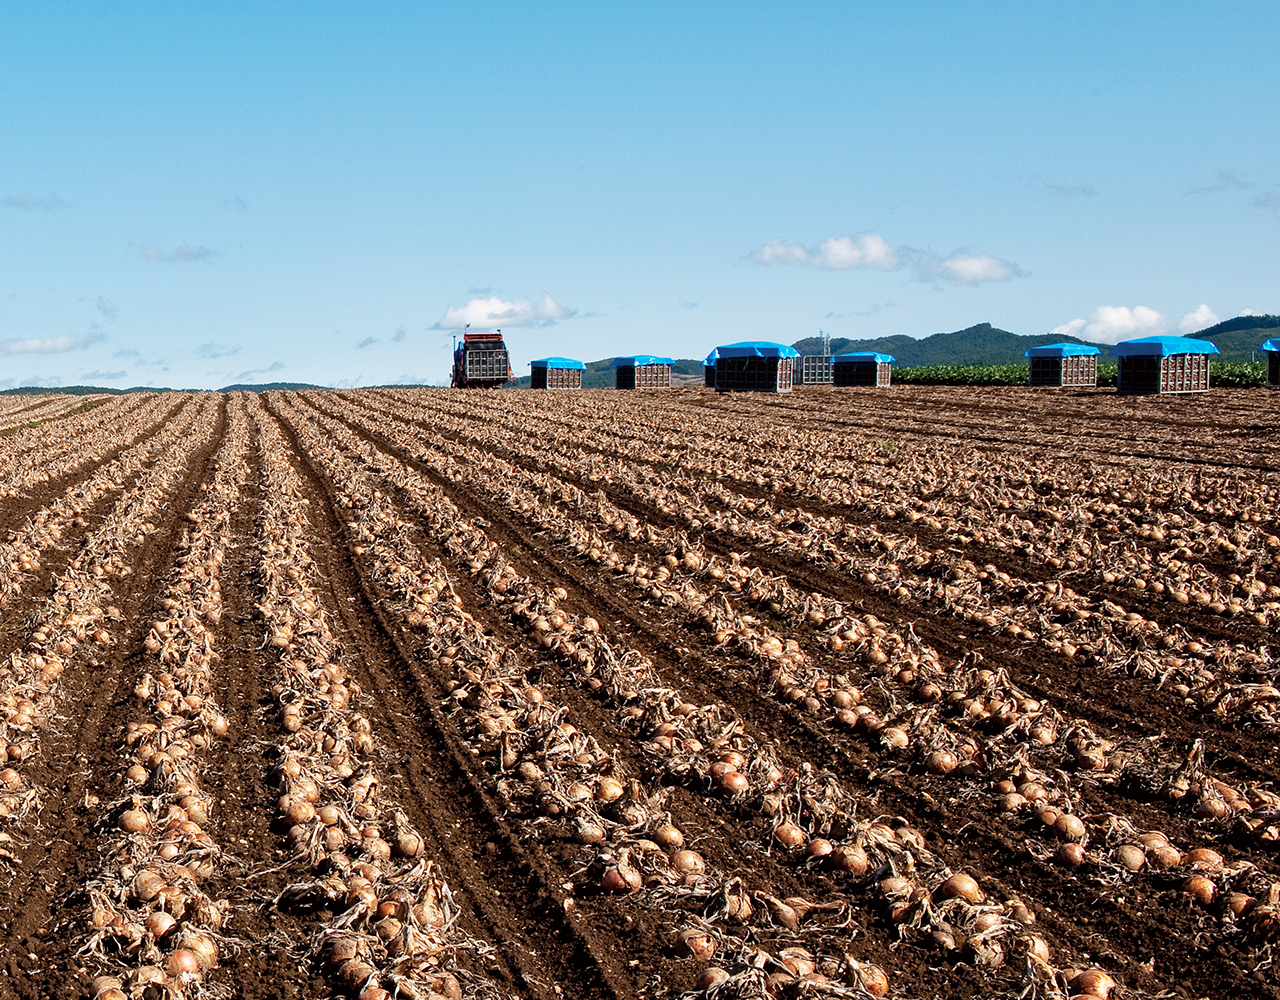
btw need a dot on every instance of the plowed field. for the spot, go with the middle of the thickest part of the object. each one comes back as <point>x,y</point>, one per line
<point>918,692</point>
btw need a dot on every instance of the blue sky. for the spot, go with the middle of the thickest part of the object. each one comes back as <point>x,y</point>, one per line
<point>194,195</point>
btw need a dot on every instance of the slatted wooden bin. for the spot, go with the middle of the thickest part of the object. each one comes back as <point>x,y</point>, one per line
<point>815,369</point>
<point>555,373</point>
<point>642,371</point>
<point>754,366</point>
<point>1163,365</point>
<point>1073,365</point>
<point>1272,349</point>
<point>865,368</point>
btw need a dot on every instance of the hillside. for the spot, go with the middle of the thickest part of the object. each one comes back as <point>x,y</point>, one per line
<point>1238,339</point>
<point>983,344</point>
<point>269,386</point>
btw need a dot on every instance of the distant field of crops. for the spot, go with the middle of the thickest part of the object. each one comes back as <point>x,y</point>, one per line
<point>1228,374</point>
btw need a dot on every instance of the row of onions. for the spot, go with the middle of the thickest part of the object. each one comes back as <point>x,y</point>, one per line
<point>966,721</point>
<point>1206,796</point>
<point>20,554</point>
<point>1048,511</point>
<point>712,743</point>
<point>33,456</point>
<point>394,930</point>
<point>49,409</point>
<point>550,773</point>
<point>151,925</point>
<point>76,621</point>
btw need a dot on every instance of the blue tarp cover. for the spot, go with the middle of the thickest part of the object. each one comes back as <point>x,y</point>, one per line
<point>1271,345</point>
<point>756,349</point>
<point>864,356</point>
<point>711,358</point>
<point>636,360</point>
<point>1162,347</point>
<point>1060,351</point>
<point>556,363</point>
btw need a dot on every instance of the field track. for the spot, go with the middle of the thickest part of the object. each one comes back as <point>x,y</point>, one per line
<point>919,692</point>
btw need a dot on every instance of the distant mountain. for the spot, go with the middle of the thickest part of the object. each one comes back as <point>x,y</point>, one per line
<point>269,386</point>
<point>1239,339</point>
<point>983,344</point>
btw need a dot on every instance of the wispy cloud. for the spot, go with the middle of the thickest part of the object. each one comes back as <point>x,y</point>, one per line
<point>108,309</point>
<point>1267,199</point>
<point>687,304</point>
<point>27,202</point>
<point>400,334</point>
<point>1072,190</point>
<point>52,345</point>
<point>871,250</point>
<point>211,350</point>
<point>1227,181</point>
<point>97,375</point>
<point>45,382</point>
<point>275,366</point>
<point>185,254</point>
<point>1112,324</point>
<point>839,253</point>
<point>1198,319</point>
<point>367,342</point>
<point>234,202</point>
<point>127,352</point>
<point>487,313</point>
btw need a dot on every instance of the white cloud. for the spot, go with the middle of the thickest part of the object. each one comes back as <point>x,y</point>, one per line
<point>51,345</point>
<point>839,253</point>
<point>99,375</point>
<point>400,334</point>
<point>487,313</point>
<point>108,309</point>
<point>367,342</point>
<point>963,268</point>
<point>27,202</point>
<point>1112,324</point>
<point>842,253</point>
<point>185,254</point>
<point>1198,319</point>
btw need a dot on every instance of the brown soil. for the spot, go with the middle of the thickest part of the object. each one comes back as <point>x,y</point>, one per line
<point>516,890</point>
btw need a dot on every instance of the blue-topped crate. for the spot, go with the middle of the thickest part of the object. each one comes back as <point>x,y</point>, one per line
<point>642,371</point>
<point>866,368</point>
<point>1065,364</point>
<point>754,366</point>
<point>555,373</point>
<point>1272,349</point>
<point>1163,364</point>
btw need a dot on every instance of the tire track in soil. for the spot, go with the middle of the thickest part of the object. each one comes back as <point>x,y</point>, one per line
<point>1130,706</point>
<point>988,852</point>
<point>509,895</point>
<point>77,756</point>
<point>729,843</point>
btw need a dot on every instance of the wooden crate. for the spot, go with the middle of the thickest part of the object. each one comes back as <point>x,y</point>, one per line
<point>644,376</point>
<point>815,369</point>
<point>555,378</point>
<point>1147,373</point>
<point>873,373</point>
<point>753,374</point>
<point>1079,370</point>
<point>709,376</point>
<point>1273,369</point>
